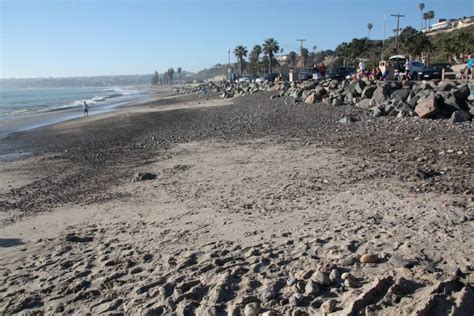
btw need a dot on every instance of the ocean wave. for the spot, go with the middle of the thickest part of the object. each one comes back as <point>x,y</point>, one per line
<point>99,97</point>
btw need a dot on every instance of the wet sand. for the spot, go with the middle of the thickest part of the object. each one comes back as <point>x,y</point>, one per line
<point>255,203</point>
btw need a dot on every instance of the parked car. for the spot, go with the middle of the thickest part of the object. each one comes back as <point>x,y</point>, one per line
<point>247,78</point>
<point>441,66</point>
<point>305,74</point>
<point>341,73</point>
<point>267,77</point>
<point>415,68</point>
<point>434,71</point>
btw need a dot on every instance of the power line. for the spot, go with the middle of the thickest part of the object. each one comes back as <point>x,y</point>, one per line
<point>301,43</point>
<point>398,16</point>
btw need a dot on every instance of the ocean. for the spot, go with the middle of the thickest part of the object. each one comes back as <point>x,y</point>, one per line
<point>18,102</point>
<point>26,108</point>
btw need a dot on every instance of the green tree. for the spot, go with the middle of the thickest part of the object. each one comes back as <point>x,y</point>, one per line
<point>292,58</point>
<point>170,74</point>
<point>240,52</point>
<point>270,47</point>
<point>457,43</point>
<point>417,44</point>
<point>304,53</point>
<point>155,78</point>
<point>179,70</point>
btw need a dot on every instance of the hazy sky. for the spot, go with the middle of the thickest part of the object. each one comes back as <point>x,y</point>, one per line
<point>45,38</point>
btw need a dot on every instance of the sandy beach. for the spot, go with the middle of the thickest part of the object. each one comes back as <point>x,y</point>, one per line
<point>256,204</point>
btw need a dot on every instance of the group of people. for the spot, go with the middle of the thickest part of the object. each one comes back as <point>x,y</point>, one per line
<point>319,70</point>
<point>386,70</point>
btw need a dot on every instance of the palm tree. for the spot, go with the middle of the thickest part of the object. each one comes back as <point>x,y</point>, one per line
<point>240,52</point>
<point>421,6</point>
<point>431,16</point>
<point>426,17</point>
<point>179,73</point>
<point>255,53</point>
<point>170,75</point>
<point>270,47</point>
<point>370,26</point>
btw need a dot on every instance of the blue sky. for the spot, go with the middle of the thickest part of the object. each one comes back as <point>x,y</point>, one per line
<point>46,38</point>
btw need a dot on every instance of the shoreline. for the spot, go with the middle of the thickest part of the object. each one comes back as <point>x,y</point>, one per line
<point>32,121</point>
<point>252,196</point>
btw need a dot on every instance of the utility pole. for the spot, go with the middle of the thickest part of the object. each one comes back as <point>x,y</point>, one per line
<point>301,43</point>
<point>383,43</point>
<point>301,50</point>
<point>229,71</point>
<point>398,16</point>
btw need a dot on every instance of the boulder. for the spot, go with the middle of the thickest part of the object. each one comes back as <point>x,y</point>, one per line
<point>364,104</point>
<point>381,94</point>
<point>368,92</point>
<point>311,99</point>
<point>460,116</point>
<point>400,94</point>
<point>427,108</point>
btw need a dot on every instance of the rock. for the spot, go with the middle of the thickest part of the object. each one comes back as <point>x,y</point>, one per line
<point>347,119</point>
<point>369,258</point>
<point>268,313</point>
<point>364,104</point>
<point>349,283</point>
<point>427,109</point>
<point>381,94</point>
<point>460,116</point>
<point>296,299</point>
<point>334,275</point>
<point>310,99</point>
<point>401,94</point>
<point>269,293</point>
<point>329,306</point>
<point>368,92</point>
<point>307,274</point>
<point>346,276</point>
<point>311,288</point>
<point>144,176</point>
<point>291,281</point>
<point>348,261</point>
<point>321,278</point>
<point>399,262</point>
<point>337,102</point>
<point>252,309</point>
<point>376,111</point>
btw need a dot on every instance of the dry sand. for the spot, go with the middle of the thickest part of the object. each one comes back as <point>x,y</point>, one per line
<point>235,220</point>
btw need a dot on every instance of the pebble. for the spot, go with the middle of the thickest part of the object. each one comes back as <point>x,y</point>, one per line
<point>346,276</point>
<point>311,288</point>
<point>252,309</point>
<point>300,286</point>
<point>369,258</point>
<point>329,306</point>
<point>307,274</point>
<point>291,281</point>
<point>296,299</point>
<point>269,293</point>
<point>268,313</point>
<point>348,261</point>
<point>349,283</point>
<point>399,261</point>
<point>334,275</point>
<point>321,278</point>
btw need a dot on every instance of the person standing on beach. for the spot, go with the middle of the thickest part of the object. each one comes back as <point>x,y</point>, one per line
<point>86,109</point>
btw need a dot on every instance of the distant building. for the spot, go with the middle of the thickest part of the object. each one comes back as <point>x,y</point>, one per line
<point>444,24</point>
